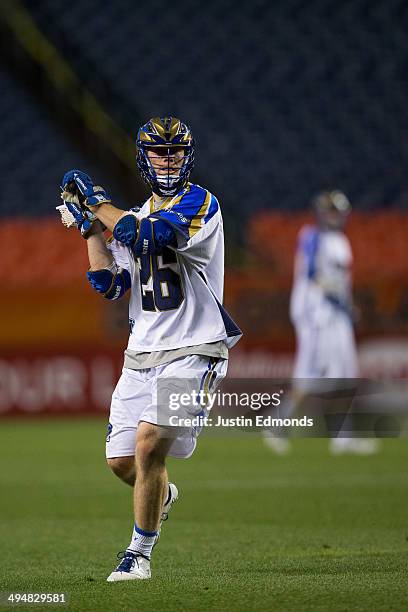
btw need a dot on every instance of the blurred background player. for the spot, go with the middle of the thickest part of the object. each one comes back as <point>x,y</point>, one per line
<point>322,312</point>
<point>170,255</point>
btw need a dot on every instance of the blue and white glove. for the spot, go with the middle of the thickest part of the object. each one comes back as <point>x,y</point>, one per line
<point>72,214</point>
<point>80,184</point>
<point>73,210</point>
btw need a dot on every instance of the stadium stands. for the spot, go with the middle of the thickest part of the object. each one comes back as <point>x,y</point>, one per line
<point>285,97</point>
<point>34,155</point>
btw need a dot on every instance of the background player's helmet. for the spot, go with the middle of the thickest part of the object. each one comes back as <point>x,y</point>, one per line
<point>171,134</point>
<point>331,208</point>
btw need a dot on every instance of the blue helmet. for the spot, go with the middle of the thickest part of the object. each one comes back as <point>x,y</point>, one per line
<point>171,134</point>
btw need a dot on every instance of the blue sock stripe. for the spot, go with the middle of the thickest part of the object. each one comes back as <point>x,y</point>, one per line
<point>148,534</point>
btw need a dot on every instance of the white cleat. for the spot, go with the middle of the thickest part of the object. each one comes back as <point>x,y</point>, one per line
<point>280,446</point>
<point>354,446</point>
<point>133,566</point>
<point>171,498</point>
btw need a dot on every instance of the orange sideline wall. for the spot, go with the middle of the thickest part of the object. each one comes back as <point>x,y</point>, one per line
<point>47,300</point>
<point>61,345</point>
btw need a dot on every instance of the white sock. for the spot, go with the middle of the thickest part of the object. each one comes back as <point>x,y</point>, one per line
<point>142,541</point>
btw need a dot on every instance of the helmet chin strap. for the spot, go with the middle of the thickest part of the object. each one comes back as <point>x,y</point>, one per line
<point>168,181</point>
<point>167,178</point>
<point>167,186</point>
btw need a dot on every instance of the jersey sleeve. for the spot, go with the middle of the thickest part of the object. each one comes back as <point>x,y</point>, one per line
<point>307,249</point>
<point>120,253</point>
<point>193,216</point>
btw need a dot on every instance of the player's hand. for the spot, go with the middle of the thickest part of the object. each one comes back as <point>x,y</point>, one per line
<point>75,214</point>
<point>80,184</point>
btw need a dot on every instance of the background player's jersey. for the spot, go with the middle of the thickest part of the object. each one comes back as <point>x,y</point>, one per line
<point>322,276</point>
<point>176,296</point>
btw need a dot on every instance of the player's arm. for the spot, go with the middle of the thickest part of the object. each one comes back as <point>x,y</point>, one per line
<point>109,215</point>
<point>144,236</point>
<point>308,249</point>
<point>92,197</point>
<point>105,275</point>
<point>98,253</point>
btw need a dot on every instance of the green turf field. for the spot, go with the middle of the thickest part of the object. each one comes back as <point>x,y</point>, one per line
<point>251,531</point>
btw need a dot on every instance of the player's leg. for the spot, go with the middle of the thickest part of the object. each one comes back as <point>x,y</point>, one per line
<point>152,497</point>
<point>345,366</point>
<point>123,468</point>
<point>153,494</point>
<point>129,399</point>
<point>151,486</point>
<point>277,439</point>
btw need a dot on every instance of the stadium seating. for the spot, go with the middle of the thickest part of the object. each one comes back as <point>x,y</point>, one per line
<point>35,154</point>
<point>285,97</point>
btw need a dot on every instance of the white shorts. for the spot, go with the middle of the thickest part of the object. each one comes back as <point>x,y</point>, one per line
<point>326,351</point>
<point>138,394</point>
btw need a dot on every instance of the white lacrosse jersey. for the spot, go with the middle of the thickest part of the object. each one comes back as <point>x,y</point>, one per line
<point>322,276</point>
<point>176,296</point>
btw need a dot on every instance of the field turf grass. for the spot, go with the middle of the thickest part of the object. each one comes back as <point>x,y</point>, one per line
<point>251,531</point>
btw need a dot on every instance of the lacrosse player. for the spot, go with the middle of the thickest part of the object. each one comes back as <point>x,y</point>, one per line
<point>321,311</point>
<point>169,254</point>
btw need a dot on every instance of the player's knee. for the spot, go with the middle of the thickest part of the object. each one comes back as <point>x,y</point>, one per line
<point>148,454</point>
<point>152,446</point>
<point>123,468</point>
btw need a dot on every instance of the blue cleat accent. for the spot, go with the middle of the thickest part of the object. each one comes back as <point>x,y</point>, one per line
<point>133,566</point>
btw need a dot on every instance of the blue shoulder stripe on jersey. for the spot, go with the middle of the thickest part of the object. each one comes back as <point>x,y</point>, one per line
<point>187,214</point>
<point>214,206</point>
<point>309,245</point>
